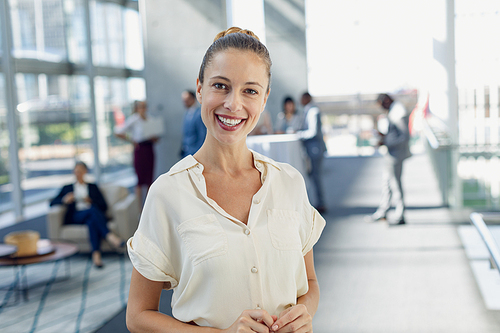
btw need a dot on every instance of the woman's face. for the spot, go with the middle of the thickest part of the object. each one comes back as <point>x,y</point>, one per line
<point>142,108</point>
<point>289,107</point>
<point>233,94</point>
<point>79,172</point>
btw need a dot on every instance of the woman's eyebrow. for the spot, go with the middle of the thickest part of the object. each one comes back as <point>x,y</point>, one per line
<point>220,77</point>
<point>255,83</point>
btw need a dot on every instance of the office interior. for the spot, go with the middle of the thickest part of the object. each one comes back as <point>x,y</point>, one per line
<point>71,69</point>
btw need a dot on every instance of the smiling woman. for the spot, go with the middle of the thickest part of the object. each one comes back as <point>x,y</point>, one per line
<point>229,230</point>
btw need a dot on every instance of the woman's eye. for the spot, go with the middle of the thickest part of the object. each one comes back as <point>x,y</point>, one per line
<point>251,91</point>
<point>220,86</point>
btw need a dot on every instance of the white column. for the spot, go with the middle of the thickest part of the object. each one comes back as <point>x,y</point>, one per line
<point>494,114</point>
<point>480,121</point>
<point>11,104</point>
<point>91,75</point>
<point>247,15</point>
<point>441,83</point>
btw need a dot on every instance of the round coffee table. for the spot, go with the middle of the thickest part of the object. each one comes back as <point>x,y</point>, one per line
<point>47,252</point>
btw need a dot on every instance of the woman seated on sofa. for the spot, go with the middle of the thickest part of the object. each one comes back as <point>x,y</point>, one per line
<point>86,205</point>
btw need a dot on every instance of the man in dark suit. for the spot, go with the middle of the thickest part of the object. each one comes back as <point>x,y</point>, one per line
<point>194,130</point>
<point>86,205</point>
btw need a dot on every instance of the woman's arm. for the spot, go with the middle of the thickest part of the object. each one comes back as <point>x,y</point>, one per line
<point>58,200</point>
<point>299,317</point>
<point>143,305</point>
<point>311,298</point>
<point>143,314</point>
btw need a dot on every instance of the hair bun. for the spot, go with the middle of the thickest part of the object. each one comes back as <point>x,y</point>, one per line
<point>233,30</point>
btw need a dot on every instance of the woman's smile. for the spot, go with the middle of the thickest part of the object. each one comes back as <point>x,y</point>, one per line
<point>229,123</point>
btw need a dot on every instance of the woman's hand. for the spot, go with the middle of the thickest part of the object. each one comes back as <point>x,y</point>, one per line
<point>252,321</point>
<point>68,198</point>
<point>294,319</point>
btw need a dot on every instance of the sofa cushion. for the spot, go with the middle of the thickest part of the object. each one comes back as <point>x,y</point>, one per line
<point>113,193</point>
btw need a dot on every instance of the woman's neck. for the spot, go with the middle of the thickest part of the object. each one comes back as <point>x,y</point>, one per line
<point>225,159</point>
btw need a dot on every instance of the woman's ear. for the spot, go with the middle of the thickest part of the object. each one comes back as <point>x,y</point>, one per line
<point>198,90</point>
<point>265,100</point>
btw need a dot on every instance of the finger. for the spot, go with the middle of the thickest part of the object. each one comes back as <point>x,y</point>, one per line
<point>286,317</point>
<point>262,316</point>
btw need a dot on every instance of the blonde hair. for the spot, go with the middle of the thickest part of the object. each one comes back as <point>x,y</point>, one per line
<point>239,39</point>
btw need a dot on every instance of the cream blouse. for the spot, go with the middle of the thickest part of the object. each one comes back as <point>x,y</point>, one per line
<point>217,265</point>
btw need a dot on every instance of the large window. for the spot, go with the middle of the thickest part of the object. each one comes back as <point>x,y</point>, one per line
<point>38,29</point>
<point>58,122</point>
<point>54,129</point>
<point>5,185</point>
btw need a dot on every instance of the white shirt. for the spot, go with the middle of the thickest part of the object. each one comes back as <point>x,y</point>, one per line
<point>217,265</point>
<point>311,115</point>
<point>141,129</point>
<point>81,191</point>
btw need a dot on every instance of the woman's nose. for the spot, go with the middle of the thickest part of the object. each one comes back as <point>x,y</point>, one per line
<point>233,102</point>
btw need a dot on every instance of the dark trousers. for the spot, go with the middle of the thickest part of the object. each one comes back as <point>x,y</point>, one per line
<point>315,150</point>
<point>96,222</point>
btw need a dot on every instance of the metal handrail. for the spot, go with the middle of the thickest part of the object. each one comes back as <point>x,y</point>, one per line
<point>478,222</point>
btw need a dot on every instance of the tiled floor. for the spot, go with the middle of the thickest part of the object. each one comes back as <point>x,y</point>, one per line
<point>412,278</point>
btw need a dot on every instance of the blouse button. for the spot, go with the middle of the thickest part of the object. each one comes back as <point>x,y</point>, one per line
<point>257,307</point>
<point>258,164</point>
<point>247,232</point>
<point>254,270</point>
<point>256,201</point>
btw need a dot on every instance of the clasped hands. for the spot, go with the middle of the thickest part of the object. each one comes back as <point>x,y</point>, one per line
<point>70,198</point>
<point>294,319</point>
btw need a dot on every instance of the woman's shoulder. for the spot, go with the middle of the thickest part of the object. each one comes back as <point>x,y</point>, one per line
<point>283,169</point>
<point>178,172</point>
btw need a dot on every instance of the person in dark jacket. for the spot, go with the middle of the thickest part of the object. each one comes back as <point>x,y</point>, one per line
<point>86,205</point>
<point>193,128</point>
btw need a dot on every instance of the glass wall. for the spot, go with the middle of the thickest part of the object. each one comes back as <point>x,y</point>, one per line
<point>38,29</point>
<point>54,129</point>
<point>5,184</point>
<point>57,119</point>
<point>478,81</point>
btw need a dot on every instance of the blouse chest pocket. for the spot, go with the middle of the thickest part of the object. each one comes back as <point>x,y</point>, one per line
<point>203,237</point>
<point>284,229</point>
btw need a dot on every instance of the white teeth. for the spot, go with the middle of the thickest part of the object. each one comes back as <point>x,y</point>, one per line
<point>229,122</point>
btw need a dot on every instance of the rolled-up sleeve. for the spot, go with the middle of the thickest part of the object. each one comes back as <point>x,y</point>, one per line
<point>315,227</point>
<point>149,261</point>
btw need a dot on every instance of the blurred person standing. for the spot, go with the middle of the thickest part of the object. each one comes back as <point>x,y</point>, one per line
<point>288,121</point>
<point>395,137</point>
<point>143,132</point>
<point>194,131</point>
<point>312,138</point>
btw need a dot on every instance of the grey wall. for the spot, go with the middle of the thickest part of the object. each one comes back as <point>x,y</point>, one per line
<point>176,36</point>
<point>286,41</point>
